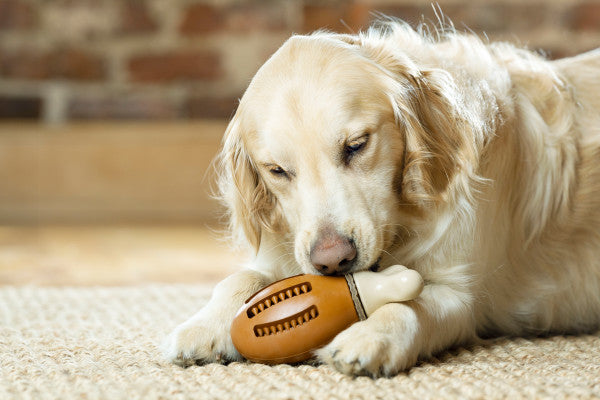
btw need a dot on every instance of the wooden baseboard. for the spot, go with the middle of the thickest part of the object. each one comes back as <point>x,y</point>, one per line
<point>108,172</point>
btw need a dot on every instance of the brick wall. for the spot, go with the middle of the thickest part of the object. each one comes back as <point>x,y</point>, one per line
<point>87,59</point>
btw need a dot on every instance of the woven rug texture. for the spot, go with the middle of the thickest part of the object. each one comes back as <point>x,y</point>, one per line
<point>102,343</point>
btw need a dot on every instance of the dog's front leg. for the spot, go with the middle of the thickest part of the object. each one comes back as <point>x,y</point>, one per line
<point>396,335</point>
<point>205,337</point>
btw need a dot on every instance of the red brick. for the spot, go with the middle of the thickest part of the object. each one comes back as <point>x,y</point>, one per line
<point>77,65</point>
<point>237,18</point>
<point>495,17</point>
<point>24,65</point>
<point>413,14</point>
<point>557,52</point>
<point>201,18</point>
<point>16,15</point>
<point>586,17</point>
<point>211,107</point>
<point>565,49</point>
<point>197,65</point>
<point>343,18</point>
<point>251,17</point>
<point>71,64</point>
<point>135,18</point>
<point>525,16</point>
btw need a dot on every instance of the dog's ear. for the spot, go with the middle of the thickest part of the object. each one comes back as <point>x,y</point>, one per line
<point>250,204</point>
<point>430,112</point>
<point>438,134</point>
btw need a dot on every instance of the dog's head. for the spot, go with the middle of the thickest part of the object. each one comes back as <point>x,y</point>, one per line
<point>342,145</point>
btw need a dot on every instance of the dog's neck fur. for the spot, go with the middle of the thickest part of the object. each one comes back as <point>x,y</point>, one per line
<point>538,146</point>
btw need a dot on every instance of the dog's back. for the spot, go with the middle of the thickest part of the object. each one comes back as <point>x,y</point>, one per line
<point>549,277</point>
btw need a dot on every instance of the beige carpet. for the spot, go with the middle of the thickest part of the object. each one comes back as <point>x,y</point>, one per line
<point>101,343</point>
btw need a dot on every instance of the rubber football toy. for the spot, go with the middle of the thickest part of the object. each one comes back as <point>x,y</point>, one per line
<point>289,319</point>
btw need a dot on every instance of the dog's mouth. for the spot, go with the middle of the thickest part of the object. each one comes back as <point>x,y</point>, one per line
<point>375,267</point>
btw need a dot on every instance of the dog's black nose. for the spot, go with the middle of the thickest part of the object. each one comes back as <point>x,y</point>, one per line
<point>332,253</point>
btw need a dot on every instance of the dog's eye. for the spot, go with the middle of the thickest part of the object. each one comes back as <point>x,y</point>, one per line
<point>354,147</point>
<point>277,171</point>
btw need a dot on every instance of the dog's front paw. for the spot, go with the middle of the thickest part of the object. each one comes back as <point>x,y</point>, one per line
<point>200,340</point>
<point>362,350</point>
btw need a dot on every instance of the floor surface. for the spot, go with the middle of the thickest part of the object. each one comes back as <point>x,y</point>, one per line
<point>114,255</point>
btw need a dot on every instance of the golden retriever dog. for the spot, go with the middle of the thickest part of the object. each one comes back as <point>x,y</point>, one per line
<point>476,164</point>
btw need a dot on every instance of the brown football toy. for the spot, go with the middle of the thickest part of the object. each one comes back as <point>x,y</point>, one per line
<point>289,319</point>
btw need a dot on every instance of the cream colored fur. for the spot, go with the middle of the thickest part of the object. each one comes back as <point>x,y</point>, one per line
<point>481,171</point>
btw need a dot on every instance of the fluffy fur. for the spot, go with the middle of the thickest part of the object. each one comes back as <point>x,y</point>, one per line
<point>481,170</point>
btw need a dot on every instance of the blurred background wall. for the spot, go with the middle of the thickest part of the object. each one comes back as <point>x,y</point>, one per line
<point>89,59</point>
<point>71,71</point>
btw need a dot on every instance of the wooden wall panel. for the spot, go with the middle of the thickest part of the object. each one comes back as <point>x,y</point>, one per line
<point>106,172</point>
